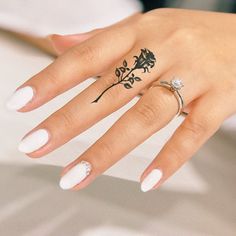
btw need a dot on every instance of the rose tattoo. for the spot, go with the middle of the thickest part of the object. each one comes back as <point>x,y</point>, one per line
<point>125,75</point>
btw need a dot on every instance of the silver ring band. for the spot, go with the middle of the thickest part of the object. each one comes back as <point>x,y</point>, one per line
<point>174,86</point>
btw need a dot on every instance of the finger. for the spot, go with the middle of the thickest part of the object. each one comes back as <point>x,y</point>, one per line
<point>97,101</point>
<point>202,122</point>
<point>87,59</point>
<point>90,58</point>
<point>153,111</point>
<point>61,43</point>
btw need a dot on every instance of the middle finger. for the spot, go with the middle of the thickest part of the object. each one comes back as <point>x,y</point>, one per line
<point>100,99</point>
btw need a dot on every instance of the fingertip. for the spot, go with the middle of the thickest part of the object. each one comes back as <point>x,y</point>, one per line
<point>151,180</point>
<point>63,184</point>
<point>34,141</point>
<point>75,175</point>
<point>20,98</point>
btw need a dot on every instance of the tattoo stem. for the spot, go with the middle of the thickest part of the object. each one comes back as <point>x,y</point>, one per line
<point>96,100</point>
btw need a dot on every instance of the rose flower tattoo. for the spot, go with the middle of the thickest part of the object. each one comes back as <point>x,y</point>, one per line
<point>125,75</point>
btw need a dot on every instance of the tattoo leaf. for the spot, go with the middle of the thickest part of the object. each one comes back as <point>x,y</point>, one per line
<point>145,61</point>
<point>122,69</point>
<point>137,79</point>
<point>127,85</point>
<point>117,73</point>
<point>131,80</point>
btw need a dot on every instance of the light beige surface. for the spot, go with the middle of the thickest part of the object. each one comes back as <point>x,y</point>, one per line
<point>198,200</point>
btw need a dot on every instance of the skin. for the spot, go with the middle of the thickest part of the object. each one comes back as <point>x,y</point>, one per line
<point>199,47</point>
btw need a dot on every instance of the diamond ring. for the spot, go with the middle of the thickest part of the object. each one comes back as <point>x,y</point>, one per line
<point>174,86</point>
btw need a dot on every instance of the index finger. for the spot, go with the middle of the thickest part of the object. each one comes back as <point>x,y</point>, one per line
<point>87,59</point>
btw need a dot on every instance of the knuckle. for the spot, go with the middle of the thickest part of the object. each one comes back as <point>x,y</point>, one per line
<point>106,149</point>
<point>87,52</point>
<point>193,133</point>
<point>148,18</point>
<point>197,129</point>
<point>178,157</point>
<point>104,154</point>
<point>157,16</point>
<point>161,12</point>
<point>66,119</point>
<point>185,36</point>
<point>147,114</point>
<point>109,79</point>
<point>52,79</point>
<point>116,93</point>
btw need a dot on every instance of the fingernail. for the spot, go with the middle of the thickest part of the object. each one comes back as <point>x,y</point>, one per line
<point>20,98</point>
<point>75,175</point>
<point>34,141</point>
<point>60,43</point>
<point>53,42</point>
<point>151,180</point>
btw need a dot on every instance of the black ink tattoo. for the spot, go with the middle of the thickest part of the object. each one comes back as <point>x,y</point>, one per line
<point>126,76</point>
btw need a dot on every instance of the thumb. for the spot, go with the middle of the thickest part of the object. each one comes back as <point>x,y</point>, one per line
<point>60,43</point>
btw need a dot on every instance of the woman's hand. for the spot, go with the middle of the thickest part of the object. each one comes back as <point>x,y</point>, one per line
<point>137,53</point>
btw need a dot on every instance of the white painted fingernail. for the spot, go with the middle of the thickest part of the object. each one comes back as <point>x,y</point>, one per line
<point>151,180</point>
<point>20,98</point>
<point>34,141</point>
<point>75,175</point>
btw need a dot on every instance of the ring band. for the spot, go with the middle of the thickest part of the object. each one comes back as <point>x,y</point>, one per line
<point>174,86</point>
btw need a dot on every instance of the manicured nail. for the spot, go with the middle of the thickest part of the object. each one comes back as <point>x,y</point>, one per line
<point>34,141</point>
<point>75,175</point>
<point>20,98</point>
<point>151,180</point>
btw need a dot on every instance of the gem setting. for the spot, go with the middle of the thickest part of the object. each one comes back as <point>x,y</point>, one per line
<point>88,167</point>
<point>176,84</point>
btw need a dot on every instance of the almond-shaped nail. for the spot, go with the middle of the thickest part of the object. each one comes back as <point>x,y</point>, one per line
<point>75,175</point>
<point>151,180</point>
<point>20,98</point>
<point>34,141</point>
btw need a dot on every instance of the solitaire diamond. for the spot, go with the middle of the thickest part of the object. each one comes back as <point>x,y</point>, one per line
<point>176,84</point>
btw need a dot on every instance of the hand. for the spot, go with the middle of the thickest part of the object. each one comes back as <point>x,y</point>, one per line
<point>137,53</point>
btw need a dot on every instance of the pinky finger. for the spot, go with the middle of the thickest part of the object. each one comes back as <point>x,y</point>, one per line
<point>203,121</point>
